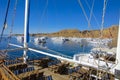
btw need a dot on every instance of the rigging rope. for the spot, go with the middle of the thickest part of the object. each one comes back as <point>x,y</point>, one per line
<point>92,13</point>
<point>12,23</point>
<point>13,18</point>
<point>44,10</point>
<point>102,24</point>
<point>101,33</point>
<point>83,11</point>
<point>5,21</point>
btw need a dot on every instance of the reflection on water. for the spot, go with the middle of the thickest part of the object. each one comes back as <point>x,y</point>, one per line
<point>67,47</point>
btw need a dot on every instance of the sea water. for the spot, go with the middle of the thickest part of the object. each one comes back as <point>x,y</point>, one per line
<point>68,48</point>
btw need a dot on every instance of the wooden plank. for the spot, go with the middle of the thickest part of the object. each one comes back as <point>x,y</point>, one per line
<point>10,73</point>
<point>2,74</point>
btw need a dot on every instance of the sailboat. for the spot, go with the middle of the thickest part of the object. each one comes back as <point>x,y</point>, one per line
<point>12,72</point>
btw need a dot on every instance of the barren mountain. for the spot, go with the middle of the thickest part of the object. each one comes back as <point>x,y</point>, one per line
<point>111,32</point>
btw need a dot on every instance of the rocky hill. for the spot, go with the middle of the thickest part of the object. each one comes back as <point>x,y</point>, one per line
<point>111,32</point>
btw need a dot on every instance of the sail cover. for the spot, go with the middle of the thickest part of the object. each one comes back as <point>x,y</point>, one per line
<point>28,16</point>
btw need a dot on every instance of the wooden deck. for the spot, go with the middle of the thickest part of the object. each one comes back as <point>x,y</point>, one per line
<point>6,74</point>
<point>55,76</point>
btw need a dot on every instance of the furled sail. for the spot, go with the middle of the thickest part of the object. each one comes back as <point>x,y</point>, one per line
<point>28,16</point>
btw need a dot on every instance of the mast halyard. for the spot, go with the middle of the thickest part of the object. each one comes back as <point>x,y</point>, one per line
<point>26,29</point>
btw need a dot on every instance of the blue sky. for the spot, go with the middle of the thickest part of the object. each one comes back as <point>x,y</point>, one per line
<point>54,15</point>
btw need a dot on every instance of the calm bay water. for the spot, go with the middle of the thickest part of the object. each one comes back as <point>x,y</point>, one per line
<point>68,48</point>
